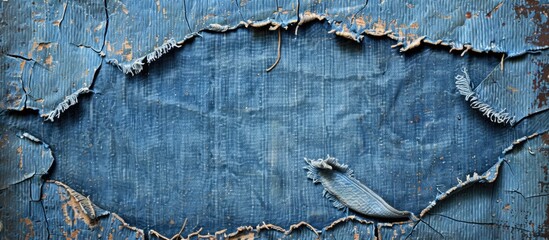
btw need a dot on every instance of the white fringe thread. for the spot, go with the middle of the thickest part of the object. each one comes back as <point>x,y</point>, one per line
<point>137,66</point>
<point>69,101</point>
<point>463,84</point>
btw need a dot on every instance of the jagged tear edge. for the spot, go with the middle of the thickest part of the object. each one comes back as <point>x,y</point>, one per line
<point>102,214</point>
<point>69,101</point>
<point>33,140</point>
<point>465,88</point>
<point>487,177</point>
<point>136,66</point>
<point>267,227</point>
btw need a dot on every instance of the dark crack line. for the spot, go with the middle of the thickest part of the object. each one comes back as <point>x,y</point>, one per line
<point>491,12</point>
<point>185,15</point>
<point>45,215</point>
<point>297,11</point>
<point>527,197</point>
<point>63,16</point>
<point>26,59</point>
<point>509,165</point>
<point>19,57</point>
<point>483,223</point>
<point>539,111</point>
<point>413,229</point>
<point>538,195</point>
<point>27,95</point>
<point>432,228</point>
<point>359,11</point>
<point>86,46</point>
<point>95,74</point>
<point>237,3</point>
<point>517,192</point>
<point>106,25</point>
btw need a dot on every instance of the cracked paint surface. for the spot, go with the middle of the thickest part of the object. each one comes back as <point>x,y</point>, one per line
<point>489,26</point>
<point>31,208</point>
<point>204,131</point>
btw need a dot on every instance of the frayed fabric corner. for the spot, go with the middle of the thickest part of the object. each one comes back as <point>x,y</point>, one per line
<point>345,191</point>
<point>68,102</point>
<point>465,88</point>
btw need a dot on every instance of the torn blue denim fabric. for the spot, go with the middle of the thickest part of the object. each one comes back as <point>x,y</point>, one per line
<point>201,134</point>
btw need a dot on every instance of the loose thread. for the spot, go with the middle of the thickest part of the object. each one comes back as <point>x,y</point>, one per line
<point>279,51</point>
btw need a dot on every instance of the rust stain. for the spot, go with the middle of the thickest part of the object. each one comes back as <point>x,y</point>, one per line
<point>78,212</point>
<point>126,44</point>
<point>74,234</point>
<point>22,65</point>
<point>40,46</point>
<point>379,27</point>
<point>49,60</point>
<point>66,216</point>
<point>81,206</point>
<point>540,13</point>
<point>109,47</point>
<point>360,22</point>
<point>414,25</point>
<point>125,10</point>
<point>111,237</point>
<point>99,27</point>
<point>208,16</point>
<point>126,50</point>
<point>507,207</point>
<point>542,99</point>
<point>4,140</point>
<point>545,138</point>
<point>541,84</point>
<point>545,227</point>
<point>247,236</point>
<point>468,15</point>
<point>20,153</point>
<point>30,227</point>
<point>512,89</point>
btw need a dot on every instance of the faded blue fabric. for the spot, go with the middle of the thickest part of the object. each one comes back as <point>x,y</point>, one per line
<point>205,134</point>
